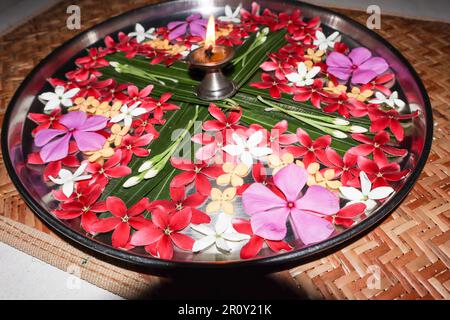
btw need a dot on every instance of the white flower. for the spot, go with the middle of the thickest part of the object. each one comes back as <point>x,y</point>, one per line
<point>367,195</point>
<point>247,149</point>
<point>323,42</point>
<point>392,101</point>
<point>223,232</point>
<point>303,77</point>
<point>67,179</point>
<point>231,16</point>
<point>141,34</point>
<point>53,100</point>
<point>127,113</point>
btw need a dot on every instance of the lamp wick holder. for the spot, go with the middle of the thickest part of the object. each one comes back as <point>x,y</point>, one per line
<point>215,85</point>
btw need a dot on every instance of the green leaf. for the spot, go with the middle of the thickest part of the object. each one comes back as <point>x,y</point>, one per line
<point>157,187</point>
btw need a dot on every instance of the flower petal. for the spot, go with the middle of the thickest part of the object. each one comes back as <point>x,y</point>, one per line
<point>55,150</point>
<point>270,224</point>
<point>291,180</point>
<point>310,228</point>
<point>259,198</point>
<point>121,235</point>
<point>380,193</point>
<point>203,243</point>
<point>319,199</point>
<point>116,206</point>
<point>89,141</point>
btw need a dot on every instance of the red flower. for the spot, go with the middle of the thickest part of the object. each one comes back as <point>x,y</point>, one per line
<point>314,93</point>
<point>135,95</point>
<point>305,31</point>
<point>346,216</point>
<point>53,167</point>
<point>82,74</point>
<point>380,173</point>
<point>199,173</point>
<point>291,54</point>
<point>390,118</point>
<point>46,121</point>
<point>222,121</point>
<point>341,48</point>
<point>101,173</point>
<point>275,86</point>
<point>255,244</point>
<point>310,150</point>
<point>292,22</point>
<point>158,107</point>
<point>345,106</point>
<point>122,221</point>
<point>115,92</point>
<point>277,136</point>
<point>234,38</point>
<point>144,124</point>
<point>212,146</point>
<point>379,83</point>
<point>185,204</point>
<point>345,167</point>
<point>93,87</point>
<point>164,233</point>
<point>378,146</point>
<point>134,145</point>
<point>84,206</point>
<point>82,188</point>
<point>95,59</point>
<point>279,66</point>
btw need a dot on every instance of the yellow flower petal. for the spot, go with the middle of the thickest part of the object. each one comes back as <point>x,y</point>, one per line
<point>236,181</point>
<point>228,167</point>
<point>216,194</point>
<point>213,206</point>
<point>287,158</point>
<point>224,179</point>
<point>227,207</point>
<point>274,161</point>
<point>228,194</point>
<point>313,168</point>
<point>241,170</point>
<point>329,174</point>
<point>335,184</point>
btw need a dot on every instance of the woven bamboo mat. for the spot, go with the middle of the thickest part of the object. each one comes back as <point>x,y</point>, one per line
<point>407,257</point>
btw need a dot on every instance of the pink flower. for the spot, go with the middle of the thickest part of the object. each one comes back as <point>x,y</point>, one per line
<point>269,211</point>
<point>195,23</point>
<point>255,244</point>
<point>55,142</point>
<point>359,65</point>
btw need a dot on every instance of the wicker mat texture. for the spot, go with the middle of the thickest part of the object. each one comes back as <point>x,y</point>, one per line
<point>407,257</point>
